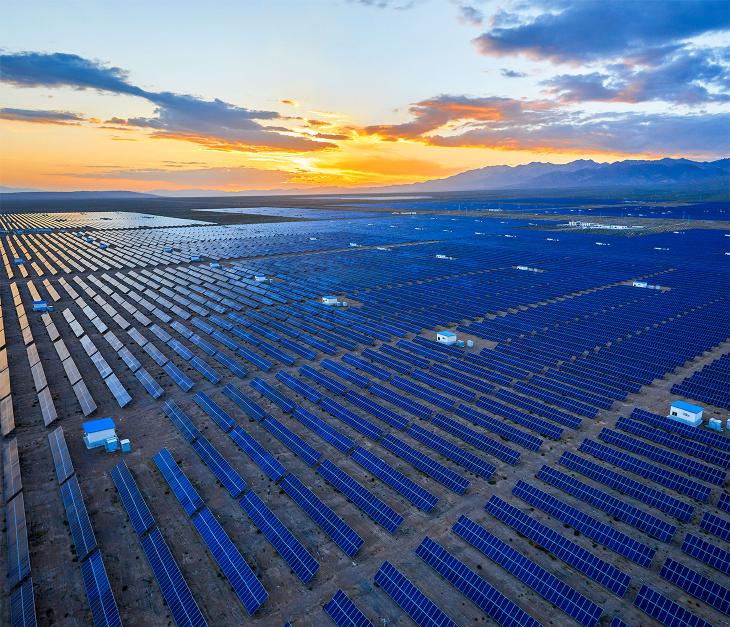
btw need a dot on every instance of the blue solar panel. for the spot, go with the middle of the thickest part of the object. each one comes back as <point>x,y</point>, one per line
<point>401,401</point>
<point>716,525</point>
<point>137,510</point>
<point>553,589</point>
<point>218,415</point>
<point>644,493</point>
<point>723,503</point>
<point>417,495</point>
<point>22,605</point>
<point>445,476</point>
<point>301,388</point>
<point>375,409</point>
<point>178,417</point>
<point>626,512</point>
<point>276,397</point>
<point>78,518</point>
<point>326,382</point>
<point>360,496</point>
<point>530,442</point>
<point>697,585</point>
<point>708,553</point>
<point>260,456</point>
<point>421,392</point>
<point>661,476</point>
<point>487,598</point>
<point>476,439</point>
<point>366,366</point>
<point>350,418</point>
<point>345,613</point>
<point>13,481</point>
<point>417,605</point>
<point>204,369</point>
<point>571,553</point>
<point>99,593</point>
<point>346,373</point>
<point>668,458</point>
<point>291,440</point>
<point>449,450</point>
<point>251,408</point>
<point>175,590</point>
<point>236,369</point>
<point>587,525</point>
<point>340,532</point>
<point>178,482</point>
<point>324,430</point>
<point>242,579</point>
<point>183,381</point>
<point>61,457</point>
<point>665,610</point>
<point>543,427</point>
<point>18,556</point>
<point>298,558</point>
<point>153,388</point>
<point>219,466</point>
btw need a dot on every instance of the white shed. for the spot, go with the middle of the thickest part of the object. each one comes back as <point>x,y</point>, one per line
<point>446,337</point>
<point>97,432</point>
<point>329,300</point>
<point>686,413</point>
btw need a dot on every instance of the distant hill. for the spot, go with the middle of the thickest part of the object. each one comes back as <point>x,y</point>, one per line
<point>73,195</point>
<point>581,174</point>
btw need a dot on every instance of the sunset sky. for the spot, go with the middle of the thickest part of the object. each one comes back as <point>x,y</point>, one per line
<point>293,94</point>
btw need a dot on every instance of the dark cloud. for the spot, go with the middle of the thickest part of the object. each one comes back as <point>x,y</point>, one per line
<point>41,117</point>
<point>600,29</point>
<point>213,123</point>
<point>686,77</point>
<point>507,73</point>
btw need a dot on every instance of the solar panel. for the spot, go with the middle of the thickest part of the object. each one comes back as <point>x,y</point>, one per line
<point>665,610</point>
<point>706,552</point>
<point>117,389</point>
<point>417,495</point>
<point>697,585</point>
<point>430,467</point>
<point>716,525</point>
<point>175,590</point>
<point>376,409</point>
<point>487,598</point>
<point>48,409</point>
<point>528,441</point>
<point>291,440</point>
<point>644,493</point>
<point>585,524</point>
<point>153,388</point>
<point>323,429</point>
<point>99,592</point>
<point>233,565</point>
<point>340,532</point>
<point>129,359</point>
<point>476,439</point>
<point>18,558</point>
<point>301,388</point>
<point>188,430</point>
<point>671,480</point>
<point>381,513</point>
<point>723,503</point>
<point>22,605</point>
<point>88,406</point>
<point>413,602</point>
<point>137,510</point>
<point>251,408</point>
<point>219,466</point>
<point>218,415</point>
<point>276,397</point>
<point>401,401</point>
<point>183,381</point>
<point>678,462</point>
<point>298,558</point>
<point>260,456</point>
<point>651,525</point>
<point>178,482</point>
<point>449,450</point>
<point>344,613</point>
<point>528,572</point>
<point>78,518</point>
<point>571,553</point>
<point>11,469</point>
<point>350,418</point>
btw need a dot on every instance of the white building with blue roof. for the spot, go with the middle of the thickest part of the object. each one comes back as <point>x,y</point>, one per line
<point>686,413</point>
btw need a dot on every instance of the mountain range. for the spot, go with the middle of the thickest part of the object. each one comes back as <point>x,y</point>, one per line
<point>581,174</point>
<point>577,175</point>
